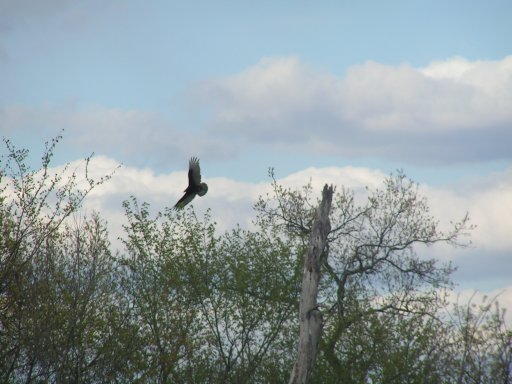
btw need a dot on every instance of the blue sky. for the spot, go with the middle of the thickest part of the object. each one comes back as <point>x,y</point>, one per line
<point>360,87</point>
<point>150,56</point>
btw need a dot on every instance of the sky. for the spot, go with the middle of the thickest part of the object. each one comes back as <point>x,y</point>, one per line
<point>339,92</point>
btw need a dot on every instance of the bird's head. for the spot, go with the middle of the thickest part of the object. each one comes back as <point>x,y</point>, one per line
<point>203,190</point>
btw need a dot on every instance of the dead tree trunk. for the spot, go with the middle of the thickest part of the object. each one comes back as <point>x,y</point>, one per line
<point>310,317</point>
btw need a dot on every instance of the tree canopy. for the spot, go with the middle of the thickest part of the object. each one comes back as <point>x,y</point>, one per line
<point>182,302</point>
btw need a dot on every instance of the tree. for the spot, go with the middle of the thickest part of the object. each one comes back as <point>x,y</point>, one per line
<point>310,317</point>
<point>185,303</point>
<point>210,308</point>
<point>50,273</point>
<point>481,343</point>
<point>370,266</point>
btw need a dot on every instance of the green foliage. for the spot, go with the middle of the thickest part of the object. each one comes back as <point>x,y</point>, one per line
<point>183,303</point>
<point>55,277</point>
<point>372,274</point>
<point>210,308</point>
<point>481,343</point>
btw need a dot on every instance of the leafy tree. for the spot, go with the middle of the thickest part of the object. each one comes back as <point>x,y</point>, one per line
<point>50,274</point>
<point>370,266</point>
<point>185,303</point>
<point>210,308</point>
<point>481,348</point>
<point>72,309</point>
<point>156,285</point>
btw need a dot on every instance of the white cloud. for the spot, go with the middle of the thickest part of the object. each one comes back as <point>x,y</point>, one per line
<point>132,135</point>
<point>469,296</point>
<point>231,201</point>
<point>377,97</point>
<point>489,202</point>
<point>489,82</point>
<point>487,263</point>
<point>356,178</point>
<point>270,98</point>
<point>452,110</point>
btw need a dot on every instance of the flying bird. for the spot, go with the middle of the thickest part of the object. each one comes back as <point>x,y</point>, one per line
<point>195,187</point>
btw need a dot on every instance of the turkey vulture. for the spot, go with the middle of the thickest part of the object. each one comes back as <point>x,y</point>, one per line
<point>195,187</point>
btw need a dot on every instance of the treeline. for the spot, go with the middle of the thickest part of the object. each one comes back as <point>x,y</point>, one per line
<point>181,303</point>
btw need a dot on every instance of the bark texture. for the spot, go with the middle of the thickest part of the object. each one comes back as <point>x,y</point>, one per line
<point>310,316</point>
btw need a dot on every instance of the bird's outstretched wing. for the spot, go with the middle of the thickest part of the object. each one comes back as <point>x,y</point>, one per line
<point>187,198</point>
<point>194,172</point>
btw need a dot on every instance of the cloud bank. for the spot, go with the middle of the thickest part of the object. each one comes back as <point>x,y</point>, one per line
<point>135,136</point>
<point>448,111</point>
<point>488,201</point>
<point>484,266</point>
